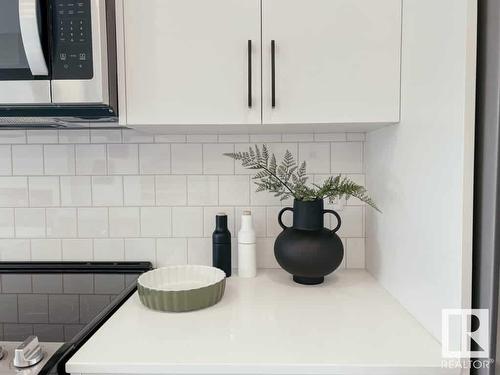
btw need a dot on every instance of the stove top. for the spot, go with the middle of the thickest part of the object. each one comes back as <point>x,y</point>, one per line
<point>61,304</point>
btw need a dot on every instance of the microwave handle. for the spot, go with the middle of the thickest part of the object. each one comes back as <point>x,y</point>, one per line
<point>28,20</point>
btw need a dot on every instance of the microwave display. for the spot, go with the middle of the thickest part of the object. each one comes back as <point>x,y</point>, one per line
<point>72,40</point>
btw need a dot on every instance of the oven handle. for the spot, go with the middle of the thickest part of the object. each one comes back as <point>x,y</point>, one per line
<point>29,21</point>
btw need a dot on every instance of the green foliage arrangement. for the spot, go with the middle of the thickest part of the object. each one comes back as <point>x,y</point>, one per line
<point>288,179</point>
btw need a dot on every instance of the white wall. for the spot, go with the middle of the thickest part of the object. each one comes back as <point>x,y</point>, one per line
<point>123,195</point>
<point>420,171</point>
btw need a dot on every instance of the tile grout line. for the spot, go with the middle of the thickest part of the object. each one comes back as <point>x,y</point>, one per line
<point>140,220</point>
<point>14,222</point>
<point>74,158</point>
<point>45,222</point>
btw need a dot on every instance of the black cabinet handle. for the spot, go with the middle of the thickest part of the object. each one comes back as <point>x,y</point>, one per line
<point>249,74</point>
<point>273,73</point>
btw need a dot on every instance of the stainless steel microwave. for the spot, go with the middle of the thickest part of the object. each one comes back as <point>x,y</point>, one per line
<point>57,62</point>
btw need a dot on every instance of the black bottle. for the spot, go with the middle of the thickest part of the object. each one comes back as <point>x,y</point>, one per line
<point>221,242</point>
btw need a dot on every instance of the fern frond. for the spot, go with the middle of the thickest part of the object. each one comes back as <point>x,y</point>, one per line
<point>289,178</point>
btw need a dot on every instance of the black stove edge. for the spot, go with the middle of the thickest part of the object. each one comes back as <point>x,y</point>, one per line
<point>65,352</point>
<point>75,267</point>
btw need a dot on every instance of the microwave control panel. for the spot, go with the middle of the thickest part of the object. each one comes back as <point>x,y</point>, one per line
<point>72,40</point>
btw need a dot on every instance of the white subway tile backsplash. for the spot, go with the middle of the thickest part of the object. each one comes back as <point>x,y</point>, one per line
<point>42,136</point>
<point>46,250</point>
<point>5,160</point>
<point>355,253</point>
<point>201,138</point>
<point>27,160</point>
<point>74,136</point>
<point>187,221</point>
<point>265,253</point>
<point>347,157</point>
<point>262,198</point>
<point>317,156</point>
<point>171,190</point>
<point>355,137</point>
<point>13,137</point>
<point>90,159</point>
<point>140,249</point>
<point>200,251</point>
<point>13,191</point>
<point>214,160</point>
<point>105,136</point>
<point>44,191</point>
<point>14,250</point>
<point>139,190</point>
<point>330,137</point>
<point>187,158</point>
<point>77,250</point>
<point>123,159</point>
<point>297,137</point>
<point>59,159</point>
<point>93,222</point>
<point>156,221</point>
<point>29,222</point>
<point>107,190</point>
<point>7,222</point>
<point>234,138</point>
<point>171,251</point>
<point>154,158</point>
<point>109,249</point>
<point>243,147</point>
<point>234,190</point>
<point>202,190</point>
<point>265,138</point>
<point>351,217</point>
<point>76,191</point>
<point>136,136</point>
<point>124,222</point>
<point>170,138</point>
<point>61,222</point>
<point>122,194</point>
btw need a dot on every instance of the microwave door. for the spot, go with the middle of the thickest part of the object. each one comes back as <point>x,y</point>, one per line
<point>23,68</point>
<point>80,56</point>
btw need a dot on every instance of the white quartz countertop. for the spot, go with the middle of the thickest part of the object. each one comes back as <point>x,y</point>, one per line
<point>268,325</point>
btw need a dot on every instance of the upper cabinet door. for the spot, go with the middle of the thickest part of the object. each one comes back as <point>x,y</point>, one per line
<point>335,61</point>
<point>187,61</point>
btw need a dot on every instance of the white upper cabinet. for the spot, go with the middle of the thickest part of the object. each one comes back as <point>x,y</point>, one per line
<point>186,61</point>
<point>335,61</point>
<point>198,62</point>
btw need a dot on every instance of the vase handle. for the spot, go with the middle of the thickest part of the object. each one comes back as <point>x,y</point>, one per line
<point>281,214</point>
<point>339,222</point>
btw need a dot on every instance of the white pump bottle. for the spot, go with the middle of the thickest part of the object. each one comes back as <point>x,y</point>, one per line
<point>247,262</point>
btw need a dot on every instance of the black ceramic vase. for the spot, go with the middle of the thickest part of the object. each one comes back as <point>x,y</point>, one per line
<point>307,249</point>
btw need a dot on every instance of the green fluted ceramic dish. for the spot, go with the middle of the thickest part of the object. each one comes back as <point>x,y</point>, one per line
<point>181,288</point>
